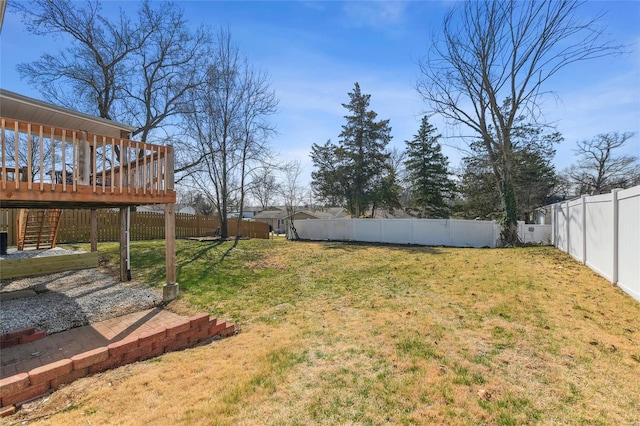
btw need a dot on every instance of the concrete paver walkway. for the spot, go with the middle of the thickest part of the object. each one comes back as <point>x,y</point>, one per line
<point>59,346</point>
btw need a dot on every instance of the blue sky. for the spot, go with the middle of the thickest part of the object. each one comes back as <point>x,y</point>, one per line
<point>315,51</point>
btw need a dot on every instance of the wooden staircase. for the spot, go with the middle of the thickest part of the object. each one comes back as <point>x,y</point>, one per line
<point>38,228</point>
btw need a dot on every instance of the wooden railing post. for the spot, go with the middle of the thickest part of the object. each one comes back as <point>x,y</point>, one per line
<point>84,160</point>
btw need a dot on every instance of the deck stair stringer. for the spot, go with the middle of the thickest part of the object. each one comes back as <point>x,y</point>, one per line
<point>38,228</point>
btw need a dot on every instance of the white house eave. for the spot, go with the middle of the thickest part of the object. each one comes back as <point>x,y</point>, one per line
<point>23,108</point>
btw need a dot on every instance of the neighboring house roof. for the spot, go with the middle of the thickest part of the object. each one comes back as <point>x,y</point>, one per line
<point>185,209</point>
<point>159,208</point>
<point>336,212</point>
<point>397,214</point>
<point>271,214</point>
<point>316,214</point>
<point>332,213</point>
<point>306,214</point>
<point>23,108</point>
<point>253,209</point>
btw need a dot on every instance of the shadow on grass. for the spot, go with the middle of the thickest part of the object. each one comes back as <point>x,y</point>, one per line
<point>206,251</point>
<point>361,245</point>
<point>148,257</point>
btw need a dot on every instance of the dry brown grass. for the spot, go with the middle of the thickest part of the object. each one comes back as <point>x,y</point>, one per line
<point>353,334</point>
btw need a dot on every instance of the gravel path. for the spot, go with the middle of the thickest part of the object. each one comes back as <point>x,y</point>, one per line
<point>65,300</point>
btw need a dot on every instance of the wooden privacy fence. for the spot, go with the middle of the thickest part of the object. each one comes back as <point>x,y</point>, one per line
<point>75,226</point>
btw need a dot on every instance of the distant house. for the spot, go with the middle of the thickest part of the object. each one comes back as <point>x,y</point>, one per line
<point>396,214</point>
<point>245,214</point>
<point>274,218</point>
<point>336,212</point>
<point>180,208</point>
<point>277,218</point>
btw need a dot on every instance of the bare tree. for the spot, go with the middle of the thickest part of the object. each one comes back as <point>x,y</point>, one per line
<point>28,152</point>
<point>136,72</point>
<point>263,186</point>
<point>259,103</point>
<point>599,170</point>
<point>292,194</point>
<point>91,73</point>
<point>169,64</point>
<point>491,66</point>
<point>228,127</point>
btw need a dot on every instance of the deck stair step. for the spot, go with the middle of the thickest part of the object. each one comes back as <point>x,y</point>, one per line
<point>38,228</point>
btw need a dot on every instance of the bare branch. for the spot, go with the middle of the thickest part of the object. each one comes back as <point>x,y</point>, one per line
<point>490,65</point>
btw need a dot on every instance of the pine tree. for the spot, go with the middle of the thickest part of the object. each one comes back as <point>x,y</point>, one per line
<point>328,180</point>
<point>356,171</point>
<point>363,141</point>
<point>427,174</point>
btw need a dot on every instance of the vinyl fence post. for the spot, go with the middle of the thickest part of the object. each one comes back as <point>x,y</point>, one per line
<point>584,229</point>
<point>353,229</point>
<point>413,231</point>
<point>494,234</point>
<point>553,225</point>
<point>616,233</point>
<point>567,226</point>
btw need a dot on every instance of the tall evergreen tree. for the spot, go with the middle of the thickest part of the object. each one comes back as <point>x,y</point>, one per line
<point>356,172</point>
<point>430,185</point>
<point>327,180</point>
<point>363,141</point>
<point>387,190</point>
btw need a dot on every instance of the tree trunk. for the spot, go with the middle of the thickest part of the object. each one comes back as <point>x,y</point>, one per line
<point>223,209</point>
<point>224,226</point>
<point>292,233</point>
<point>509,233</point>
<point>240,214</point>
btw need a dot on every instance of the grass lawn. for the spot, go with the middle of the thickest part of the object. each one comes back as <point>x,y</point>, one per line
<point>336,333</point>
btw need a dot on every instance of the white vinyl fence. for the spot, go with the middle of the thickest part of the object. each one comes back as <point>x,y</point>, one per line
<point>535,234</point>
<point>428,232</point>
<point>603,232</point>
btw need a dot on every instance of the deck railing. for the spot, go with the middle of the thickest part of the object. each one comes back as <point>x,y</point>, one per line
<point>45,158</point>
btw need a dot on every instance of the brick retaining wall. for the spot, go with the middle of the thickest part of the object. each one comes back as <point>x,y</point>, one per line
<point>18,337</point>
<point>23,387</point>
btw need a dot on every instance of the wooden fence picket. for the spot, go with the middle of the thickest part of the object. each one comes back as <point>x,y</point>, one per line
<point>75,226</point>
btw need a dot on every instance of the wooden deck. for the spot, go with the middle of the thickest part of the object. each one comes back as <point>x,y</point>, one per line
<point>42,166</point>
<point>52,167</point>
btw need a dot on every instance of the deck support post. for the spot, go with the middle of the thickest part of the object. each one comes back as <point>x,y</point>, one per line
<point>170,290</point>
<point>124,242</point>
